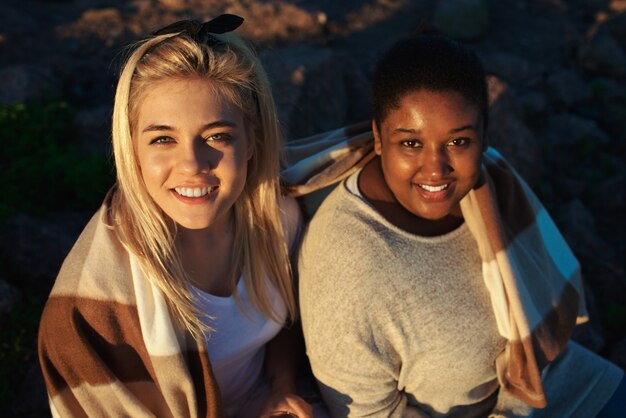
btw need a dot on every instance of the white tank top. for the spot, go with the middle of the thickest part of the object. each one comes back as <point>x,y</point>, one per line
<point>237,347</point>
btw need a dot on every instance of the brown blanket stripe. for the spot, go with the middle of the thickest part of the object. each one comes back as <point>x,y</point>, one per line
<point>91,336</point>
<point>94,357</point>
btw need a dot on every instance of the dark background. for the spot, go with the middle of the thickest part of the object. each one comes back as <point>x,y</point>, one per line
<point>557,74</point>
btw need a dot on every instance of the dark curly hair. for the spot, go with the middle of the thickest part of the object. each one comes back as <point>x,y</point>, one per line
<point>429,62</point>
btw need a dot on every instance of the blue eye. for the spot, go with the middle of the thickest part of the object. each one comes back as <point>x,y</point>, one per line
<point>161,140</point>
<point>221,137</point>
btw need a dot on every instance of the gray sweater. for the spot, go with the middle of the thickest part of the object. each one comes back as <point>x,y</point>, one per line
<point>401,325</point>
<point>392,318</point>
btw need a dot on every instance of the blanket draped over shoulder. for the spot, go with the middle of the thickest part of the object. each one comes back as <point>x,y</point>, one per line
<point>532,276</point>
<point>108,345</point>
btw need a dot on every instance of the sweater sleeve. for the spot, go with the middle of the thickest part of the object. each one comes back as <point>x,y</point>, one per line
<point>356,382</point>
<point>351,355</point>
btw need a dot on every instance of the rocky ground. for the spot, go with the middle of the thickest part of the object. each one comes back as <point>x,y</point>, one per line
<point>557,73</point>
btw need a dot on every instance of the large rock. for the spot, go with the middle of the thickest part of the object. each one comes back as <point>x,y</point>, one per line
<point>22,83</point>
<point>462,19</point>
<point>609,105</point>
<point>10,297</point>
<point>602,54</point>
<point>508,133</point>
<point>567,129</point>
<point>316,89</point>
<point>105,24</point>
<point>15,22</point>
<point>93,129</point>
<point>618,353</point>
<point>611,194</point>
<point>578,227</point>
<point>534,103</point>
<point>568,87</point>
<point>31,399</point>
<point>616,25</point>
<point>279,21</point>
<point>608,90</point>
<point>35,247</point>
<point>512,68</point>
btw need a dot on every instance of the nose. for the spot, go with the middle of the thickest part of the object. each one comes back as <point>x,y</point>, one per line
<point>435,163</point>
<point>196,157</point>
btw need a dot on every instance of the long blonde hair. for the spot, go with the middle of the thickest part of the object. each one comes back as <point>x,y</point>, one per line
<point>260,249</point>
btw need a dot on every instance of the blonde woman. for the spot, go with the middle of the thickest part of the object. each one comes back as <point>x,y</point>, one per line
<point>174,300</point>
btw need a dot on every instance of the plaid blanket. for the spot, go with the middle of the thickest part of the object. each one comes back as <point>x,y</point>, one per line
<point>533,278</point>
<point>108,345</point>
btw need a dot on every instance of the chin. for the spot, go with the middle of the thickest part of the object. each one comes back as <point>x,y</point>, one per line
<point>193,224</point>
<point>433,216</point>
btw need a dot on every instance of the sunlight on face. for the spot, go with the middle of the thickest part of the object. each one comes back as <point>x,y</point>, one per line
<point>193,148</point>
<point>430,148</point>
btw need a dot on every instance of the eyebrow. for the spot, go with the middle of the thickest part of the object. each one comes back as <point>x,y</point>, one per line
<point>217,124</point>
<point>452,131</point>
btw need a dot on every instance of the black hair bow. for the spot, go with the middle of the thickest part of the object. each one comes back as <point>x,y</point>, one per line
<point>202,32</point>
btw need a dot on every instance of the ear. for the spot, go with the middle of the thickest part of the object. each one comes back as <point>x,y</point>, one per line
<point>378,146</point>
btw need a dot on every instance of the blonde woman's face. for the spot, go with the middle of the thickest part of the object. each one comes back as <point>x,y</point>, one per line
<point>193,148</point>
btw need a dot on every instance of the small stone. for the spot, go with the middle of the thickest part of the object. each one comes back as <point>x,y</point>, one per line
<point>93,129</point>
<point>31,399</point>
<point>533,102</point>
<point>22,83</point>
<point>579,229</point>
<point>462,19</point>
<point>10,297</point>
<point>39,243</point>
<point>618,353</point>
<point>615,187</point>
<point>602,54</point>
<point>570,129</point>
<point>316,89</point>
<point>568,87</point>
<point>508,133</point>
<point>512,68</point>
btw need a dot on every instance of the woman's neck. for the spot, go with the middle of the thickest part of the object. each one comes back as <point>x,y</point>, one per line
<point>374,188</point>
<point>207,256</point>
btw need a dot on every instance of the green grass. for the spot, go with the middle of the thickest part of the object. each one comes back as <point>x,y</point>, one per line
<point>615,316</point>
<point>18,345</point>
<point>41,171</point>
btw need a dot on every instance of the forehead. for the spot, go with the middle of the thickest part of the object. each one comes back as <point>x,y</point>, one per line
<point>183,102</point>
<point>444,105</point>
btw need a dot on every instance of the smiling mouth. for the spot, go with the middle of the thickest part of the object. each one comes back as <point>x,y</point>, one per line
<point>434,189</point>
<point>195,191</point>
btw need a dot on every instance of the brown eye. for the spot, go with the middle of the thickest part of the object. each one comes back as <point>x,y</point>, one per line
<point>459,142</point>
<point>410,143</point>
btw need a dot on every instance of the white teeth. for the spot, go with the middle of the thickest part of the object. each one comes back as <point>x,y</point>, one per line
<point>433,188</point>
<point>194,192</point>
